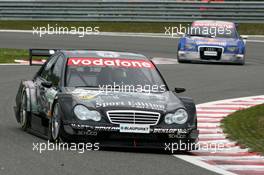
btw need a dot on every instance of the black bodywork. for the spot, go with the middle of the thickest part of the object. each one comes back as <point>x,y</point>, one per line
<point>48,88</point>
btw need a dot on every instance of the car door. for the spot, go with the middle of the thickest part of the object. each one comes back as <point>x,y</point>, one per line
<point>46,95</point>
<point>55,77</point>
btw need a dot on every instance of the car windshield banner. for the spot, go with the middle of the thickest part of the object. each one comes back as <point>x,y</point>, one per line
<point>128,63</point>
<point>208,24</point>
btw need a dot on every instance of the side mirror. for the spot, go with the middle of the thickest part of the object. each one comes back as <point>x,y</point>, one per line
<point>46,84</point>
<point>179,90</point>
<point>244,36</point>
<point>236,25</point>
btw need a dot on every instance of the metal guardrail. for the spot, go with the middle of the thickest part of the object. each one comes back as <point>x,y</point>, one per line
<point>136,11</point>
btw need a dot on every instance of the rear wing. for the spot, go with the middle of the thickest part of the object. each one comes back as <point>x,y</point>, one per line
<point>41,55</point>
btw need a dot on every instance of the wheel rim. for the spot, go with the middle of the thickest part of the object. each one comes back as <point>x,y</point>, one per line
<point>23,112</point>
<point>55,123</point>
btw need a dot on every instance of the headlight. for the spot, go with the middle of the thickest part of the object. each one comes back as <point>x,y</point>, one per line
<point>179,117</point>
<point>190,46</point>
<point>232,49</point>
<point>85,114</point>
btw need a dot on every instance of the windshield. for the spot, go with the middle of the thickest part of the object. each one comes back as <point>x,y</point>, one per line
<point>213,31</point>
<point>114,73</point>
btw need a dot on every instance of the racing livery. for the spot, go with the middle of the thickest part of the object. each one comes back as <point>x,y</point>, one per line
<point>212,41</point>
<point>114,98</point>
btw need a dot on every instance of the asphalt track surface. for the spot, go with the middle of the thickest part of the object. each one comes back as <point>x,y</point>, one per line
<point>204,82</point>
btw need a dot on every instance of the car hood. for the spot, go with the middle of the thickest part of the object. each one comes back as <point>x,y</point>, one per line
<point>222,42</point>
<point>100,100</point>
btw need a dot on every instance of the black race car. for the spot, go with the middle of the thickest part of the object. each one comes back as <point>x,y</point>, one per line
<point>113,98</point>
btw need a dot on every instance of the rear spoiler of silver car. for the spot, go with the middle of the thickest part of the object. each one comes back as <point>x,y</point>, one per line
<point>40,54</point>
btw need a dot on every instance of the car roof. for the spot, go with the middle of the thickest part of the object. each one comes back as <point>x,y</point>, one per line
<point>101,54</point>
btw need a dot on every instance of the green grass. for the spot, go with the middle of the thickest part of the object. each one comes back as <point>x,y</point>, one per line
<point>140,27</point>
<point>9,55</point>
<point>247,128</point>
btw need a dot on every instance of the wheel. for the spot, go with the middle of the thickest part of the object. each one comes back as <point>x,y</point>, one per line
<point>55,125</point>
<point>24,115</point>
<point>56,132</point>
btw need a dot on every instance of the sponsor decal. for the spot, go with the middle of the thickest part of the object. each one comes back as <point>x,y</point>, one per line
<point>50,95</point>
<point>91,129</point>
<point>130,128</point>
<point>87,97</point>
<point>179,131</point>
<point>90,133</point>
<point>82,126</point>
<point>146,105</point>
<point>133,104</point>
<point>85,94</point>
<point>211,43</point>
<point>134,128</point>
<point>106,128</point>
<point>102,62</point>
<point>201,24</point>
<point>83,91</point>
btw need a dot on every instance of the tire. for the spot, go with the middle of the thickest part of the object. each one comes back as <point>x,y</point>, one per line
<point>242,63</point>
<point>180,61</point>
<point>24,115</point>
<point>55,125</point>
<point>183,61</point>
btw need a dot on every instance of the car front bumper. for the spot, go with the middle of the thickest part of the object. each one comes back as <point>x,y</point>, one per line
<point>111,136</point>
<point>225,58</point>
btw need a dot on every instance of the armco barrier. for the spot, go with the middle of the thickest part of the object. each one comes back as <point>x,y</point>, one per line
<point>136,11</point>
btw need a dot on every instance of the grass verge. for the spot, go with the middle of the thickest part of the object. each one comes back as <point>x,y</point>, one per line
<point>9,55</point>
<point>247,128</point>
<point>139,27</point>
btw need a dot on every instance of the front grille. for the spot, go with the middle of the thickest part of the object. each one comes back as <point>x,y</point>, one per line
<point>216,49</point>
<point>133,117</point>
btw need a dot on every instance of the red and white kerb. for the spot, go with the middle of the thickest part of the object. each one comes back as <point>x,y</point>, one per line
<point>128,63</point>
